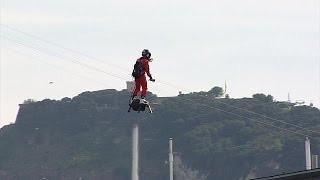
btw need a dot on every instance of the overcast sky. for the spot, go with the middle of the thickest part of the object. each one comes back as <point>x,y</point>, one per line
<point>256,46</point>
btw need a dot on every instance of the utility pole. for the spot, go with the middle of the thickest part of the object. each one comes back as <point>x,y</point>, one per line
<point>171,158</point>
<point>308,153</point>
<point>135,152</point>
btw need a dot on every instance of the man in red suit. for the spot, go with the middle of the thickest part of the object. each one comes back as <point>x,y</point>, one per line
<point>140,69</point>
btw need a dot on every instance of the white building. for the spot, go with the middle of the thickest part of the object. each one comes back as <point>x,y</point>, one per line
<point>130,86</point>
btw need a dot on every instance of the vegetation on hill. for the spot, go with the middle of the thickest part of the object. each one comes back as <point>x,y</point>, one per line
<point>89,137</point>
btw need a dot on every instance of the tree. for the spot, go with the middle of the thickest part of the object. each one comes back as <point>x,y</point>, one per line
<point>262,97</point>
<point>29,101</point>
<point>216,91</point>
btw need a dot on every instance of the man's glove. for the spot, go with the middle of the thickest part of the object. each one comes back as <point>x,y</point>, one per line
<point>151,79</point>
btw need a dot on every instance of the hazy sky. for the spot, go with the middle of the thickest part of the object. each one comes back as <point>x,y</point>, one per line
<point>256,46</point>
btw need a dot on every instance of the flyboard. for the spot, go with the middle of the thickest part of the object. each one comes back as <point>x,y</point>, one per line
<point>139,105</point>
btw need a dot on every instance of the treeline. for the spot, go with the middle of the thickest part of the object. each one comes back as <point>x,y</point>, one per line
<point>215,136</point>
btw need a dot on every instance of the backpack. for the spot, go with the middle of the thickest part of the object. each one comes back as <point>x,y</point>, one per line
<point>138,69</point>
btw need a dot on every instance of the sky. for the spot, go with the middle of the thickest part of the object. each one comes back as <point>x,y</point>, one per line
<point>264,46</point>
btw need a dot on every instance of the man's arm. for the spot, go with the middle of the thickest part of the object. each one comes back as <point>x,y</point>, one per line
<point>147,70</point>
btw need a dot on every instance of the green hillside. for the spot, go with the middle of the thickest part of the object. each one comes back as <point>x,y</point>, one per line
<point>89,137</point>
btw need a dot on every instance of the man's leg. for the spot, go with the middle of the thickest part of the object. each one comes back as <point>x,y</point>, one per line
<point>137,88</point>
<point>144,87</point>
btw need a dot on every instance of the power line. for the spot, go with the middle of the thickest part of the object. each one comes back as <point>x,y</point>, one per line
<point>74,51</point>
<point>251,119</point>
<point>258,114</point>
<point>63,58</point>
<point>60,68</point>
<point>96,69</point>
<point>91,57</point>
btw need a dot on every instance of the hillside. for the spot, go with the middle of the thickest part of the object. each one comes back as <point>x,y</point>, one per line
<point>89,137</point>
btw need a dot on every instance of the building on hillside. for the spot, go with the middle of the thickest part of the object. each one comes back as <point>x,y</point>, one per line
<point>313,174</point>
<point>130,86</point>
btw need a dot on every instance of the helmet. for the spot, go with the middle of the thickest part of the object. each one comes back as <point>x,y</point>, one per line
<point>146,53</point>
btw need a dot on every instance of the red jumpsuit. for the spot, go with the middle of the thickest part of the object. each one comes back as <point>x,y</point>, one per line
<point>142,81</point>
